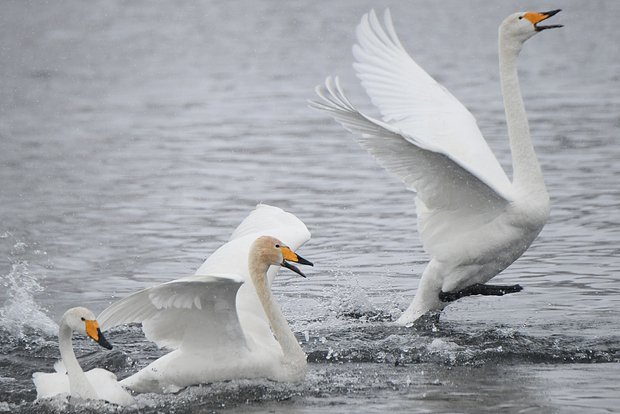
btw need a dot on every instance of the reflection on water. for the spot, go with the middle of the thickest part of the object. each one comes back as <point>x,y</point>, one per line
<point>135,137</point>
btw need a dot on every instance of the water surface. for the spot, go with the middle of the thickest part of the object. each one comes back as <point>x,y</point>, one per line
<point>134,138</point>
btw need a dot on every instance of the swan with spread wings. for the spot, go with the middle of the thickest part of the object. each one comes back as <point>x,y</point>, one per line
<point>473,221</point>
<point>223,322</point>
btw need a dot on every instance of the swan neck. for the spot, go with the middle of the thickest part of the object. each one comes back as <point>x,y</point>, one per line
<point>281,330</point>
<point>526,171</point>
<point>78,383</point>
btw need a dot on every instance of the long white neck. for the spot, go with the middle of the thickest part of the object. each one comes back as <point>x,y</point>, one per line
<point>293,353</point>
<point>527,175</point>
<point>78,383</point>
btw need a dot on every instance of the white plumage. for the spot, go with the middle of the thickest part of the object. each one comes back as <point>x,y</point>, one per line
<point>69,379</point>
<point>215,321</point>
<point>472,220</point>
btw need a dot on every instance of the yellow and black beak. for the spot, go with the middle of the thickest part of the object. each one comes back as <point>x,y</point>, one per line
<point>290,256</point>
<point>92,330</point>
<point>536,18</point>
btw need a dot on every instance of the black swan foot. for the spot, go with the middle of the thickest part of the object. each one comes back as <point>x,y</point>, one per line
<point>479,289</point>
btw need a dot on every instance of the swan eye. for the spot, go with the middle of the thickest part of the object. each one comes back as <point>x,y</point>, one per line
<point>520,17</point>
<point>82,318</point>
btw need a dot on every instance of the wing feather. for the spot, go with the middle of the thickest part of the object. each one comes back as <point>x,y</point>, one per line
<point>443,186</point>
<point>412,101</point>
<point>213,304</point>
<point>179,311</point>
<point>265,220</point>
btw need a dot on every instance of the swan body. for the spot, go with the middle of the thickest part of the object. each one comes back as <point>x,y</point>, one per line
<point>69,378</point>
<point>222,323</point>
<point>472,220</point>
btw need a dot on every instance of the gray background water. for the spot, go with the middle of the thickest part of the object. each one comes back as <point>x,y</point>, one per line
<point>135,136</point>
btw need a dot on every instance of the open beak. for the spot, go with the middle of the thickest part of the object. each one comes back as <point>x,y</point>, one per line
<point>290,256</point>
<point>536,18</point>
<point>93,331</point>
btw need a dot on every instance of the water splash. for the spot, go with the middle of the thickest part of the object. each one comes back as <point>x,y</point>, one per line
<point>350,298</point>
<point>20,311</point>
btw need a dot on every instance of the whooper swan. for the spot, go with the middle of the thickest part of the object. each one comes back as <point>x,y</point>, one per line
<point>96,384</point>
<point>472,220</point>
<point>222,323</point>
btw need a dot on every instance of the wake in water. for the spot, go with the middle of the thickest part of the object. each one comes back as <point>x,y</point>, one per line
<point>354,350</point>
<point>352,346</point>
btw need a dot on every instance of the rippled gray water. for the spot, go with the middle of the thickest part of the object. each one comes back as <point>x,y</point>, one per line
<point>135,137</point>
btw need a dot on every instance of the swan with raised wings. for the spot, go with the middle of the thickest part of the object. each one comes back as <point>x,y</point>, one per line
<point>69,378</point>
<point>472,220</point>
<point>223,322</point>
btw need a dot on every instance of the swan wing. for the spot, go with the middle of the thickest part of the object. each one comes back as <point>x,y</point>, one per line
<point>265,220</point>
<point>413,102</point>
<point>181,312</point>
<point>194,312</point>
<point>451,199</point>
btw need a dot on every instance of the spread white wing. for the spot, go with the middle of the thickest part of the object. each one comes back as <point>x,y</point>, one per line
<point>193,311</point>
<point>427,138</point>
<point>214,307</point>
<point>265,220</point>
<point>411,100</point>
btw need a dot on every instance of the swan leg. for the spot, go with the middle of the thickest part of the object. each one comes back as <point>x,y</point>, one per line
<point>479,289</point>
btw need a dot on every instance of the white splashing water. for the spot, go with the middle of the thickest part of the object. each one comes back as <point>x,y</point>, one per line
<point>20,309</point>
<point>350,297</point>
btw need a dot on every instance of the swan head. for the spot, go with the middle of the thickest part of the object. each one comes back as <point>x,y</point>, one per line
<point>271,251</point>
<point>519,27</point>
<point>83,321</point>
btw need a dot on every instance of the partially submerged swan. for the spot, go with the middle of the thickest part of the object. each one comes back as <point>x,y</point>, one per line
<point>96,384</point>
<point>472,220</point>
<point>223,323</point>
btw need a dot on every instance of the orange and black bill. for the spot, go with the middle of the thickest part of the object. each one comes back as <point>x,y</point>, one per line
<point>92,330</point>
<point>290,256</point>
<point>536,18</point>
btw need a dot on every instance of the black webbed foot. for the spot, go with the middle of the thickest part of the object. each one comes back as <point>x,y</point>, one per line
<point>479,289</point>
